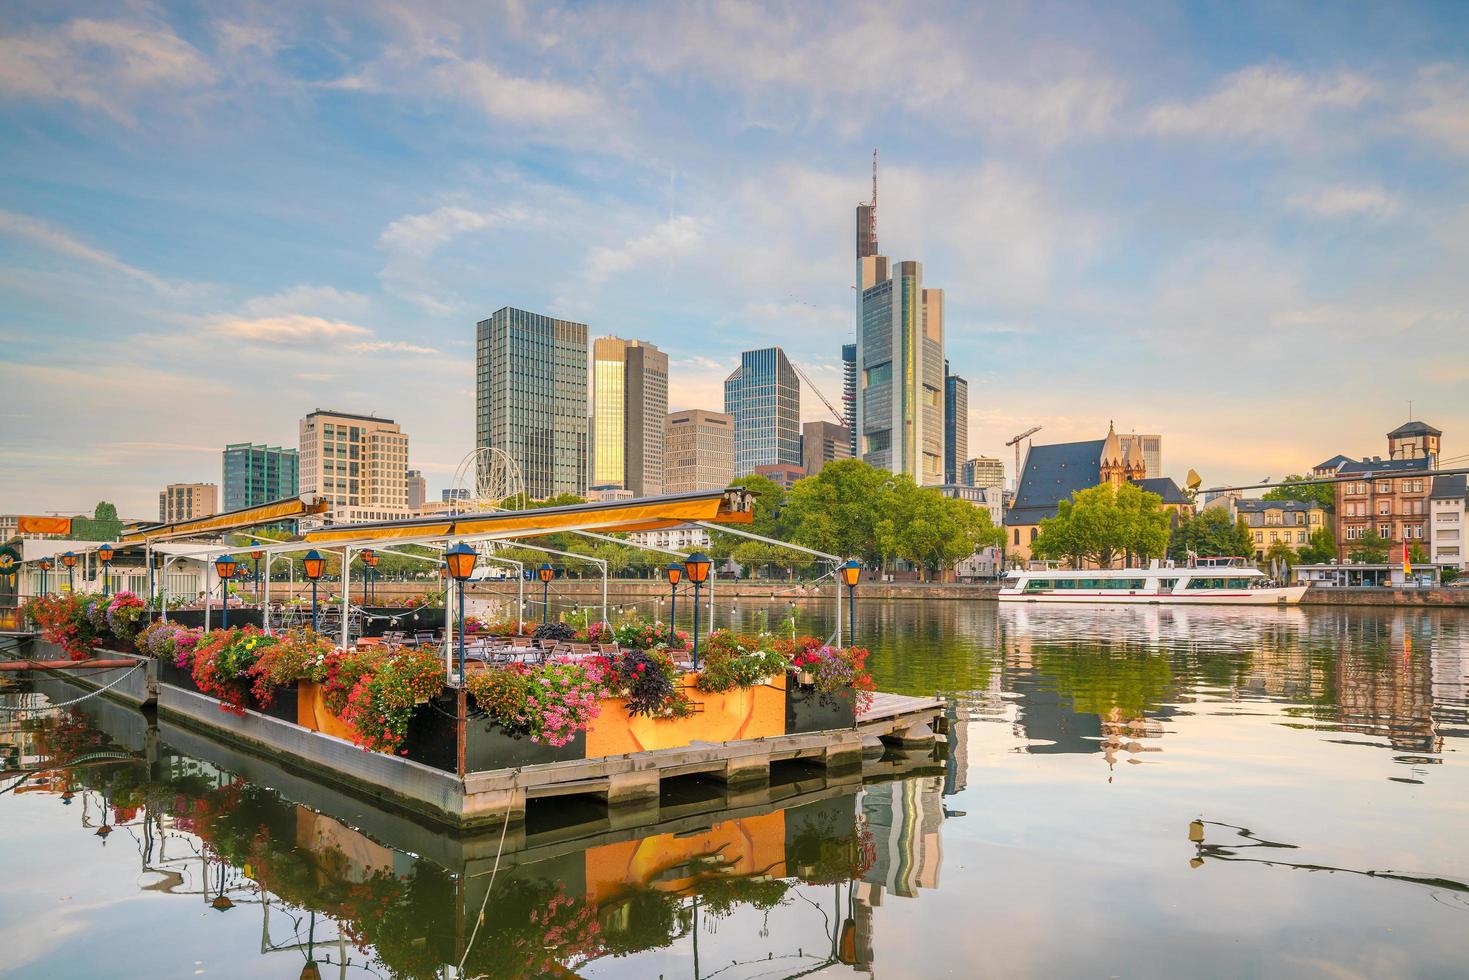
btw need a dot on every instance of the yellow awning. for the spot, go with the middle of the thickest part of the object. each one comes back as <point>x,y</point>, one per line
<point>235,520</point>
<point>650,513</point>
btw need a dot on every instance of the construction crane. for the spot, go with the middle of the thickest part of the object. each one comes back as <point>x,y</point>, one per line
<point>841,419</point>
<point>1016,443</point>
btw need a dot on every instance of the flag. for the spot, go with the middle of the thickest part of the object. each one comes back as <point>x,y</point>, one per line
<point>1407,565</point>
<point>28,524</point>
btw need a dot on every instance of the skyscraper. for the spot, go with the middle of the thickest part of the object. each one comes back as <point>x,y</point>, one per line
<point>1151,446</point>
<point>417,489</point>
<point>255,475</point>
<point>629,412</point>
<point>823,442</point>
<point>849,393</point>
<point>185,501</point>
<point>531,397</point>
<point>358,462</point>
<point>900,392</point>
<point>983,471</point>
<point>956,424</point>
<point>763,395</point>
<point>698,451</point>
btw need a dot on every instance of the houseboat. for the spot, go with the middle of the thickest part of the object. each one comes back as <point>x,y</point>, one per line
<point>1208,581</point>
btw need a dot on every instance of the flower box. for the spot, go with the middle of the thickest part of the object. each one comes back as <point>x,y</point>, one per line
<point>808,710</point>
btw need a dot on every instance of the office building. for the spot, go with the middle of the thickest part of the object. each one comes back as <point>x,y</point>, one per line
<point>1151,447</point>
<point>698,451</point>
<point>782,473</point>
<point>1391,496</point>
<point>849,393</point>
<point>900,391</point>
<point>822,443</point>
<point>257,474</point>
<point>1449,510</point>
<point>983,471</point>
<point>417,489</point>
<point>186,501</point>
<point>629,411</point>
<point>453,494</point>
<point>531,397</point>
<point>355,461</point>
<point>763,396</point>
<point>956,424</point>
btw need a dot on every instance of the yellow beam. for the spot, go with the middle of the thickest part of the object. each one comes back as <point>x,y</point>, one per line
<point>235,520</point>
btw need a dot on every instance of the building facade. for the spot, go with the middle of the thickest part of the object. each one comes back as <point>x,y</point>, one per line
<point>680,537</point>
<point>531,397</point>
<point>956,425</point>
<point>355,461</point>
<point>849,394</point>
<point>1151,448</point>
<point>417,488</point>
<point>1388,496</point>
<point>822,443</point>
<point>698,451</point>
<point>783,474</point>
<point>256,474</point>
<point>983,471</point>
<point>186,501</point>
<point>763,396</point>
<point>1290,522</point>
<point>900,389</point>
<point>629,411</point>
<point>1448,506</point>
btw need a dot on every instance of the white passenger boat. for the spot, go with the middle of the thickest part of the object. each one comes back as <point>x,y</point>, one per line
<point>1208,581</point>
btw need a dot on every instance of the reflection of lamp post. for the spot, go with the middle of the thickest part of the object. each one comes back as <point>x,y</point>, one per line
<point>104,555</point>
<point>314,565</point>
<point>851,574</point>
<point>45,566</point>
<point>547,573</point>
<point>696,566</point>
<point>461,559</point>
<point>368,556</point>
<point>224,567</point>
<point>70,561</point>
<point>674,571</point>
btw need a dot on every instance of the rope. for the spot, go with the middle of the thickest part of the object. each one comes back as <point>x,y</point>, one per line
<point>480,919</point>
<point>67,704</point>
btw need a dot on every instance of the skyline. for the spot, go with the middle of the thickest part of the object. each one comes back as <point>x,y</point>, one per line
<point>214,222</point>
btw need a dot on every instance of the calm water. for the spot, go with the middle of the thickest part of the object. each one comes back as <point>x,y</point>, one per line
<point>1315,754</point>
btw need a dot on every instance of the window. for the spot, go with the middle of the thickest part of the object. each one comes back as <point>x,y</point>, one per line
<point>1034,533</point>
<point>1384,507</point>
<point>880,374</point>
<point>1384,530</point>
<point>1259,537</point>
<point>1384,486</point>
<point>1017,537</point>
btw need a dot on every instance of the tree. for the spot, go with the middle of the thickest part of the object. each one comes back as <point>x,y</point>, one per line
<point>1417,555</point>
<point>837,510</point>
<point>1320,549</point>
<point>103,525</point>
<point>922,526</point>
<point>768,518</point>
<point>1316,493</point>
<point>1370,549</point>
<point>1101,523</point>
<point>1282,553</point>
<point>1211,533</point>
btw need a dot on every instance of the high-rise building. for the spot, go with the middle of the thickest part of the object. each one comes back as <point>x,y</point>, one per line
<point>359,463</point>
<point>956,424</point>
<point>849,393</point>
<point>255,475</point>
<point>417,488</point>
<point>900,391</point>
<point>629,412</point>
<point>453,494</point>
<point>822,443</point>
<point>698,451</point>
<point>186,501</point>
<point>1151,446</point>
<point>531,397</point>
<point>763,395</point>
<point>983,471</point>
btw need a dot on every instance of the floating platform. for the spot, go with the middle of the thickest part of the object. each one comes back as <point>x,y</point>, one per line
<point>627,783</point>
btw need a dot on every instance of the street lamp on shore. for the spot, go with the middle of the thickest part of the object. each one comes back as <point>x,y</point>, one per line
<point>69,559</point>
<point>851,574</point>
<point>547,573</point>
<point>460,559</point>
<point>314,566</point>
<point>674,571</point>
<point>104,555</point>
<point>225,567</point>
<point>696,567</point>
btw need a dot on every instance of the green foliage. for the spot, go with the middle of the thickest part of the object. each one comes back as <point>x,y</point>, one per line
<point>1281,552</point>
<point>103,525</point>
<point>1211,533</point>
<point>1417,555</point>
<point>1103,523</point>
<point>1320,549</point>
<point>1318,493</point>
<point>1370,549</point>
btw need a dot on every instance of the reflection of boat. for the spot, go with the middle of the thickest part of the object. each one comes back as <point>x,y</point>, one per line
<point>1223,581</point>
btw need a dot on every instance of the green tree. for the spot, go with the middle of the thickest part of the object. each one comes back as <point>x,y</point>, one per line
<point>1417,555</point>
<point>1370,549</point>
<point>838,509</point>
<point>1282,553</point>
<point>1320,549</point>
<point>922,526</point>
<point>1318,493</point>
<point>768,520</point>
<point>1211,533</point>
<point>103,525</point>
<point>1103,523</point>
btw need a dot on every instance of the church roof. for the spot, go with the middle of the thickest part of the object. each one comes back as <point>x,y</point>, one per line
<point>1165,487</point>
<point>1053,473</point>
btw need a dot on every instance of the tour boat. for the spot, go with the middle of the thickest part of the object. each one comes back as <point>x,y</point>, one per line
<point>1207,581</point>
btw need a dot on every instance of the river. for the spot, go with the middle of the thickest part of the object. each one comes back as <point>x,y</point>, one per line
<point>1136,792</point>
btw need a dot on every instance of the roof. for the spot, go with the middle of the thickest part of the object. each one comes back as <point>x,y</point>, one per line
<point>1052,474</point>
<point>351,415</point>
<point>1164,487</point>
<point>1450,487</point>
<point>1334,463</point>
<point>1257,506</point>
<point>1414,429</point>
<point>1379,465</point>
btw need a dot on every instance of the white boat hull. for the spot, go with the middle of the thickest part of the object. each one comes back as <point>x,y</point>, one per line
<point>1286,595</point>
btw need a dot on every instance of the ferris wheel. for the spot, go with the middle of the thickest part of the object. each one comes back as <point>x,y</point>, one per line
<point>485,479</point>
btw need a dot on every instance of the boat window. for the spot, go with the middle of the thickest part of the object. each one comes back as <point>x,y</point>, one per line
<point>1166,584</point>
<point>1037,585</point>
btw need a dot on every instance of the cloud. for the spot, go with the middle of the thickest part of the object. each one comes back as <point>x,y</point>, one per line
<point>395,346</point>
<point>325,300</point>
<point>421,234</point>
<point>105,66</point>
<point>670,239</point>
<point>1344,200</point>
<point>1441,106</point>
<point>48,236</point>
<point>292,329</point>
<point>1260,102</point>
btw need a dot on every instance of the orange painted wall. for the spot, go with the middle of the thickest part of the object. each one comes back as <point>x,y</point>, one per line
<point>754,712</point>
<point>744,847</point>
<point>312,712</point>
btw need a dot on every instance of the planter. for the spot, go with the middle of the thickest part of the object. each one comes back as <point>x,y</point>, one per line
<point>805,678</point>
<point>433,740</point>
<point>807,710</point>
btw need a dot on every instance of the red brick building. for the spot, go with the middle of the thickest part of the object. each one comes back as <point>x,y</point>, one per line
<point>1389,496</point>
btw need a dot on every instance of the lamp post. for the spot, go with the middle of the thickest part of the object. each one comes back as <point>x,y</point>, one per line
<point>255,557</point>
<point>69,559</point>
<point>696,567</point>
<point>104,555</point>
<point>368,556</point>
<point>547,573</point>
<point>674,572</point>
<point>851,573</point>
<point>461,559</point>
<point>225,567</point>
<point>45,566</point>
<point>314,565</point>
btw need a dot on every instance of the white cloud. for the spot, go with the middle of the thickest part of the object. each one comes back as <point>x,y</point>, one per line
<point>669,240</point>
<point>48,236</point>
<point>1441,106</point>
<point>394,346</point>
<point>421,234</point>
<point>1343,200</point>
<point>292,329</point>
<point>1261,102</point>
<point>324,300</point>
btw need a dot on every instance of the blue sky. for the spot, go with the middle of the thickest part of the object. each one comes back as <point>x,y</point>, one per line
<point>1244,226</point>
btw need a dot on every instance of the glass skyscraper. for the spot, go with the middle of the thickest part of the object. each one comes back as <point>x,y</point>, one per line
<point>849,394</point>
<point>900,384</point>
<point>763,396</point>
<point>531,397</point>
<point>255,475</point>
<point>629,406</point>
<point>956,425</point>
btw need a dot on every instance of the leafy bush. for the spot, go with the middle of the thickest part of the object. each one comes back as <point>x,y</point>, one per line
<point>295,656</point>
<point>647,679</point>
<point>725,670</point>
<point>382,702</point>
<point>222,662</point>
<point>559,632</point>
<point>546,703</point>
<point>64,621</point>
<point>123,612</point>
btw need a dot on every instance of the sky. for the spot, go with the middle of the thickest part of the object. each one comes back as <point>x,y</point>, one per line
<point>1244,226</point>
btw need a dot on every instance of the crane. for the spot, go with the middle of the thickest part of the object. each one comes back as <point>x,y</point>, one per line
<point>1016,443</point>
<point>841,419</point>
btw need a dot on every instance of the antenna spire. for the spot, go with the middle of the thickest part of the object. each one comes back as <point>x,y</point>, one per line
<point>873,212</point>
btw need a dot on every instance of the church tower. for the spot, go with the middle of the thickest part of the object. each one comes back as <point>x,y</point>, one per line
<point>1113,465</point>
